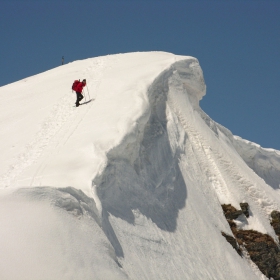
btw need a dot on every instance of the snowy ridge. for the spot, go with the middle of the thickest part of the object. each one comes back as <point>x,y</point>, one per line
<point>129,185</point>
<point>250,185</point>
<point>60,114</point>
<point>265,162</point>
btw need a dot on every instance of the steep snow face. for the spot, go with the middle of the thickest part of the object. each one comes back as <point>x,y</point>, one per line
<point>265,162</point>
<point>130,184</point>
<point>40,240</point>
<point>143,171</point>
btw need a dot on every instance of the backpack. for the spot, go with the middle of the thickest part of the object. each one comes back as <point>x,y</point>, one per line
<point>75,84</point>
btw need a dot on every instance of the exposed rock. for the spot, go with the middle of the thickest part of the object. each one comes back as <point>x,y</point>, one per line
<point>245,209</point>
<point>275,216</point>
<point>262,248</point>
<point>230,212</point>
<point>263,251</point>
<point>233,243</point>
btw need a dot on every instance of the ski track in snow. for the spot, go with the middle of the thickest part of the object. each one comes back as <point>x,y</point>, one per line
<point>202,153</point>
<point>214,164</point>
<point>63,118</point>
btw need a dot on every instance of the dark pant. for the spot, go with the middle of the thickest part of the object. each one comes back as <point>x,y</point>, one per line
<point>79,97</point>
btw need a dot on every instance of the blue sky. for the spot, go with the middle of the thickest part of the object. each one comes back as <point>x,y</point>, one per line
<point>236,42</point>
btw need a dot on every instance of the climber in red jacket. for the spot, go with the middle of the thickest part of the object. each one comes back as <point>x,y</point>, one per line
<point>79,90</point>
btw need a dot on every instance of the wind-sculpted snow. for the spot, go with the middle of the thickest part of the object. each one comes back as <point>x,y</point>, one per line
<point>129,185</point>
<point>143,172</point>
<point>49,233</point>
<point>265,162</point>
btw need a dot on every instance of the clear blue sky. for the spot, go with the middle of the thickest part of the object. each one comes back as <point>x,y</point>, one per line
<point>236,42</point>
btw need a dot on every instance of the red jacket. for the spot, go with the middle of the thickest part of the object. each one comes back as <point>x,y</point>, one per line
<point>79,87</point>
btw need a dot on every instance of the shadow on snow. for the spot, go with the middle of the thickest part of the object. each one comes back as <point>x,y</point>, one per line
<point>150,183</point>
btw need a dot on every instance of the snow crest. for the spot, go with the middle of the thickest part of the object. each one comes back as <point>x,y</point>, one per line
<point>265,162</point>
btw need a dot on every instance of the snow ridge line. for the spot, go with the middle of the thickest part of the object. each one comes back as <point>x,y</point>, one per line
<point>257,193</point>
<point>199,150</point>
<point>254,155</point>
<point>203,150</point>
<point>61,112</point>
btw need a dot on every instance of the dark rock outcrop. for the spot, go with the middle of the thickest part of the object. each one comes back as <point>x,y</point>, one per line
<point>275,222</point>
<point>262,248</point>
<point>245,209</point>
<point>233,243</point>
<point>263,251</point>
<point>230,212</point>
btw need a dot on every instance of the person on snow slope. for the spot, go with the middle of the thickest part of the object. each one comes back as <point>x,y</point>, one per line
<point>79,90</point>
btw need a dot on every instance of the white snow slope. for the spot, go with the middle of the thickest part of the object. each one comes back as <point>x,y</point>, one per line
<point>130,184</point>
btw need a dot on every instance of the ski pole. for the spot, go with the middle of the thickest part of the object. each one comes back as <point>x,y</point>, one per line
<point>88,94</point>
<point>85,96</point>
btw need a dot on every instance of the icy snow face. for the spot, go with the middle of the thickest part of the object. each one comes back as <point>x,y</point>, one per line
<point>265,162</point>
<point>191,77</point>
<point>143,174</point>
<point>40,240</point>
<point>143,171</point>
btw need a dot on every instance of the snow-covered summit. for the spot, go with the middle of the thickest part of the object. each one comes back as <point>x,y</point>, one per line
<point>128,185</point>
